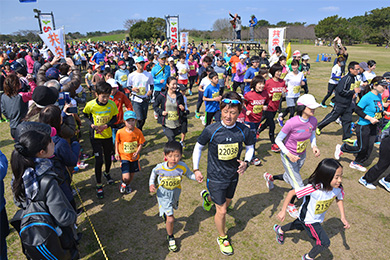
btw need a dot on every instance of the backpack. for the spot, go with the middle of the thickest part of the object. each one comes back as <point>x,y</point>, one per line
<point>40,236</point>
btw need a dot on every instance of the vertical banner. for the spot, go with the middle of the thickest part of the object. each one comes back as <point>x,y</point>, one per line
<point>275,38</point>
<point>54,39</point>
<point>46,22</point>
<point>184,39</point>
<point>173,32</point>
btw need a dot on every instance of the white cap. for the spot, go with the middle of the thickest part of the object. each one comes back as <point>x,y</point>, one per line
<point>242,56</point>
<point>113,83</point>
<point>305,57</point>
<point>308,100</point>
<point>228,51</point>
<point>170,59</point>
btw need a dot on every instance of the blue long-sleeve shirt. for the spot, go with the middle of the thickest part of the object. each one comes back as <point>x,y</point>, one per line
<point>158,74</point>
<point>3,172</point>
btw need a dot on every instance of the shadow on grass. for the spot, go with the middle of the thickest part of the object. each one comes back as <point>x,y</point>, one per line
<point>249,207</point>
<point>6,142</point>
<point>332,227</point>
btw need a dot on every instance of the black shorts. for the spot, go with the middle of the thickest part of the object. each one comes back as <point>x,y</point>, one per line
<point>171,133</point>
<point>129,167</point>
<point>220,191</point>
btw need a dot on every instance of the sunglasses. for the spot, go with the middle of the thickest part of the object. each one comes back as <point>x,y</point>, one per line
<point>231,101</point>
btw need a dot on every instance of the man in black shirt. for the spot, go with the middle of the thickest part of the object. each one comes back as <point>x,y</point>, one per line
<point>225,140</point>
<point>130,65</point>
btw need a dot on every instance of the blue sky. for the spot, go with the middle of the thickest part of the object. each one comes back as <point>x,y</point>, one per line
<point>107,15</point>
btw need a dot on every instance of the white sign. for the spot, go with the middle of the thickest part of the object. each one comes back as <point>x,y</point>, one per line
<point>55,41</point>
<point>46,22</point>
<point>173,30</point>
<point>275,38</point>
<point>184,39</point>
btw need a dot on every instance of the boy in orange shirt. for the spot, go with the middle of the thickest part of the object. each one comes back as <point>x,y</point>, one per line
<point>128,144</point>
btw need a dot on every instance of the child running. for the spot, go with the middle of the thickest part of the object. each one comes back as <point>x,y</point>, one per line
<point>256,101</point>
<point>100,115</point>
<point>212,98</point>
<point>293,140</point>
<point>128,145</point>
<point>323,188</point>
<point>169,175</point>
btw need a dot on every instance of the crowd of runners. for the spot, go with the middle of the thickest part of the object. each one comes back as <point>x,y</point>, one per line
<point>111,87</point>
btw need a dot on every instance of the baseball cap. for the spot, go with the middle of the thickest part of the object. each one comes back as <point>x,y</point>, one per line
<point>220,58</point>
<point>383,82</point>
<point>181,87</point>
<point>296,53</point>
<point>129,115</point>
<point>305,57</point>
<point>228,51</point>
<point>170,59</point>
<point>363,65</point>
<point>308,100</point>
<point>52,73</point>
<point>242,56</point>
<point>121,62</point>
<point>139,59</point>
<point>162,56</point>
<point>386,75</point>
<point>113,83</point>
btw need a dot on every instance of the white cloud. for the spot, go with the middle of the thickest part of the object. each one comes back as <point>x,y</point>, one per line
<point>136,16</point>
<point>20,18</point>
<point>330,9</point>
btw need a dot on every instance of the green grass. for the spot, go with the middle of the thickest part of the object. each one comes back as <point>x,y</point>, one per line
<point>128,226</point>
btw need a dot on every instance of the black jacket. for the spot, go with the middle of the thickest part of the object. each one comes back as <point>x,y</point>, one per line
<point>343,93</point>
<point>160,103</point>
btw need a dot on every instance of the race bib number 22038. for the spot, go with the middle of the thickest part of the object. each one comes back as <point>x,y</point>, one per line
<point>227,152</point>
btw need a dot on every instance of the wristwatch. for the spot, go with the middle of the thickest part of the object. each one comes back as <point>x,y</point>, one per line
<point>247,164</point>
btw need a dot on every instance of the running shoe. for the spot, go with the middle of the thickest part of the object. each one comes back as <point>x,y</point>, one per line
<point>269,180</point>
<point>155,115</point>
<point>197,115</point>
<point>190,92</point>
<point>363,182</point>
<point>385,184</point>
<point>324,106</point>
<point>280,121</point>
<point>99,191</point>
<point>108,178</point>
<point>331,104</point>
<point>183,144</point>
<point>275,148</point>
<point>2,120</point>
<point>206,203</point>
<point>349,140</point>
<point>338,121</point>
<point>128,189</point>
<point>122,188</point>
<point>171,244</point>
<point>292,210</point>
<point>224,245</point>
<point>306,257</point>
<point>279,236</point>
<point>338,152</point>
<point>357,166</point>
<point>318,131</point>
<point>256,162</point>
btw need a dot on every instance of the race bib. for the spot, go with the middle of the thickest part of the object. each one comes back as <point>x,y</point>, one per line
<point>378,115</point>
<point>296,89</point>
<point>192,67</point>
<point>257,109</point>
<point>301,146</point>
<point>283,75</point>
<point>216,94</point>
<point>112,66</point>
<point>256,73</point>
<point>220,75</point>
<point>130,147</point>
<point>170,183</point>
<point>101,63</point>
<point>227,152</point>
<point>369,81</point>
<point>183,71</point>
<point>276,96</point>
<point>323,205</point>
<point>355,85</point>
<point>142,91</point>
<point>124,77</point>
<point>173,116</point>
<point>101,120</point>
<point>90,77</point>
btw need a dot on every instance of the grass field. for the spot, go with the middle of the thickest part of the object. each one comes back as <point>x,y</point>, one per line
<point>128,226</point>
